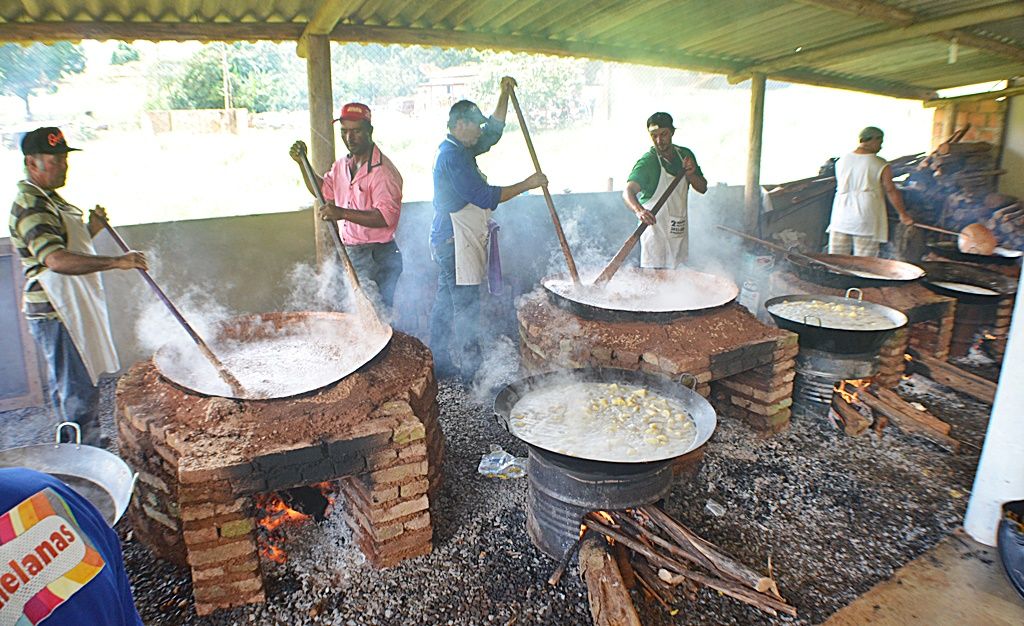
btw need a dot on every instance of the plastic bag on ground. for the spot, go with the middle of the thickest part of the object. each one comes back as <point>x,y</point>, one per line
<point>500,464</point>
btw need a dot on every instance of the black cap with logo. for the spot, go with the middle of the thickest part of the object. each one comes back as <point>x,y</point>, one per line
<point>45,140</point>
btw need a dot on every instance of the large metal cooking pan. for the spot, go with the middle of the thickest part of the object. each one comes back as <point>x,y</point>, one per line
<point>643,295</point>
<point>953,273</point>
<point>699,409</point>
<point>948,249</point>
<point>834,338</point>
<point>97,475</point>
<point>325,347</point>
<point>876,272</point>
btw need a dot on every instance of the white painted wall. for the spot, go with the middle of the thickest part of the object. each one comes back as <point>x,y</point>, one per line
<point>1000,476</point>
<point>1012,182</point>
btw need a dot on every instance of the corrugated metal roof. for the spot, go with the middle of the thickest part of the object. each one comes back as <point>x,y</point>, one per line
<point>898,47</point>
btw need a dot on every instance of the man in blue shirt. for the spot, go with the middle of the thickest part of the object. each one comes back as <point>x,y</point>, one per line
<point>61,562</point>
<point>463,202</point>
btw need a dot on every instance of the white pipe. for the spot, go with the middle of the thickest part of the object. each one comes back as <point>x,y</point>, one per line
<point>1000,475</point>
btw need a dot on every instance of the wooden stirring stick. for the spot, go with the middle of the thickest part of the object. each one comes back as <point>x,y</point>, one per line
<point>616,262</point>
<point>225,375</point>
<point>547,194</point>
<point>362,302</point>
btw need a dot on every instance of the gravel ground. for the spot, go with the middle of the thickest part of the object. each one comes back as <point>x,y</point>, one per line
<point>835,514</point>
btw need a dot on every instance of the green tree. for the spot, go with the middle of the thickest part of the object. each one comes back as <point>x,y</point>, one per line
<point>124,53</point>
<point>262,77</point>
<point>25,69</point>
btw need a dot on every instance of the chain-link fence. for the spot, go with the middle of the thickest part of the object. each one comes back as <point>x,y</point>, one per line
<point>177,131</point>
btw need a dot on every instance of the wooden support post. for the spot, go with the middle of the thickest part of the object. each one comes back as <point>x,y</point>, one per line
<point>321,114</point>
<point>752,192</point>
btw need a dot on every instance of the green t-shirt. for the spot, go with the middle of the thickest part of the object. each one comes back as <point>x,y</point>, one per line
<point>647,170</point>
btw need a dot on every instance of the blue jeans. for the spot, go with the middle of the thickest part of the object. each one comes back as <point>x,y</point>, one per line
<point>458,306</point>
<point>379,263</point>
<point>73,396</point>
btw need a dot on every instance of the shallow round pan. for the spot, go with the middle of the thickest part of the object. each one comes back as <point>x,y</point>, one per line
<point>949,250</point>
<point>97,475</point>
<point>834,338</point>
<point>635,294</point>
<point>952,274</point>
<point>699,409</point>
<point>276,355</point>
<point>871,271</point>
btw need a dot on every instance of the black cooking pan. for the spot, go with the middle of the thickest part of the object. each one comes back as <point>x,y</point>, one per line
<point>835,338</point>
<point>876,272</point>
<point>650,295</point>
<point>699,409</point>
<point>954,274</point>
<point>948,250</point>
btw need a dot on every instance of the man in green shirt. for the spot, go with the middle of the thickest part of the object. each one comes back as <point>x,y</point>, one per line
<point>665,241</point>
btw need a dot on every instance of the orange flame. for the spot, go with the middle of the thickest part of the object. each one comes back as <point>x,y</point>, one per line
<point>274,514</point>
<point>907,358</point>
<point>851,396</point>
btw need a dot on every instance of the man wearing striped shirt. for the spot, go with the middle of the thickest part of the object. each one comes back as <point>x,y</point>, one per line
<point>41,223</point>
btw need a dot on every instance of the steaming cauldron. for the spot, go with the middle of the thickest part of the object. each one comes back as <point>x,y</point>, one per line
<point>277,355</point>
<point>563,488</point>
<point>649,295</point>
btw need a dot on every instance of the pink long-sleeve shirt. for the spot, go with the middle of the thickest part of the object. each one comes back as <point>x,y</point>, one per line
<point>376,185</point>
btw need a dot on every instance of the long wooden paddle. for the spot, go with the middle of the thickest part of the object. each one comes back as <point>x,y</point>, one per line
<point>225,375</point>
<point>362,301</point>
<point>616,262</point>
<point>547,194</point>
<point>808,259</point>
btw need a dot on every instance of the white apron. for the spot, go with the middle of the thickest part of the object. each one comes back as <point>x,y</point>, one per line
<point>469,225</point>
<point>666,243</point>
<point>80,302</point>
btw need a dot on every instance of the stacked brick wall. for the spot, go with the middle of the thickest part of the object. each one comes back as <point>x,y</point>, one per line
<point>725,345</point>
<point>201,460</point>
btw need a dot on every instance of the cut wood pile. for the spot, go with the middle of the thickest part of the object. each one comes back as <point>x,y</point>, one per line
<point>858,406</point>
<point>955,186</point>
<point>646,553</point>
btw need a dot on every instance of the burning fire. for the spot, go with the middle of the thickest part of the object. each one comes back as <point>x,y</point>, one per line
<point>276,516</point>
<point>846,393</point>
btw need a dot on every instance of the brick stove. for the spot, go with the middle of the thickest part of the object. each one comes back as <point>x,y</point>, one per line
<point>743,366</point>
<point>201,460</point>
<point>930,316</point>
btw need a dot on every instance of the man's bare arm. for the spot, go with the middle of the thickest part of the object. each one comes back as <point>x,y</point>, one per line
<point>895,197</point>
<point>629,197</point>
<point>75,264</point>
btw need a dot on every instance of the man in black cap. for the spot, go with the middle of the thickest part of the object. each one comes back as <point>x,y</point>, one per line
<point>665,242</point>
<point>459,234</point>
<point>63,299</point>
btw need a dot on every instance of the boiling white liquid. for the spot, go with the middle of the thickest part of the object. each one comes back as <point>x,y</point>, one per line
<point>835,315</point>
<point>290,363</point>
<point>649,291</point>
<point>964,287</point>
<point>604,422</point>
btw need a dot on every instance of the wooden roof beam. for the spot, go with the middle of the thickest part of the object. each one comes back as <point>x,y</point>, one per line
<point>327,16</point>
<point>974,97</point>
<point>514,43</point>
<point>875,10</point>
<point>807,58</point>
<point>148,31</point>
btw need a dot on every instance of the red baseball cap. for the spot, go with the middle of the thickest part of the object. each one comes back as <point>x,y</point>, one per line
<point>354,112</point>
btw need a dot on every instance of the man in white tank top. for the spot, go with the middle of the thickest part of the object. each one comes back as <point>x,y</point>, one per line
<point>859,217</point>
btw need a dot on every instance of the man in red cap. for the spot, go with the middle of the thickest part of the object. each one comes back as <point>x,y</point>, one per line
<point>364,190</point>
<point>63,299</point>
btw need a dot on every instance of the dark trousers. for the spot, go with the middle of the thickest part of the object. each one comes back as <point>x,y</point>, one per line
<point>73,396</point>
<point>379,264</point>
<point>456,315</point>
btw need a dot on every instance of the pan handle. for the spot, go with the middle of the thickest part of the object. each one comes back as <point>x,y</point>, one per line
<point>860,294</point>
<point>807,319</point>
<point>693,381</point>
<point>75,427</point>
